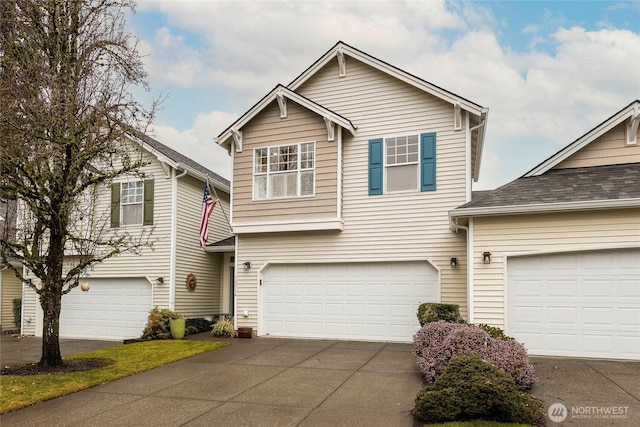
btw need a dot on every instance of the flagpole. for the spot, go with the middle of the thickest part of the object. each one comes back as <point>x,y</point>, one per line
<point>221,205</point>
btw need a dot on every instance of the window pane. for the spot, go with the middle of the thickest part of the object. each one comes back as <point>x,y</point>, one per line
<point>306,183</point>
<point>131,192</point>
<point>402,178</point>
<point>260,187</point>
<point>132,214</point>
<point>260,160</point>
<point>284,185</point>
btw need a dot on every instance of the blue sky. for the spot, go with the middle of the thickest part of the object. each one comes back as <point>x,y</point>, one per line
<point>548,71</point>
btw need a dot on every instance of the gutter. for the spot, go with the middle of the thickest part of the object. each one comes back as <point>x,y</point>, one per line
<point>484,115</point>
<point>203,177</point>
<point>545,207</point>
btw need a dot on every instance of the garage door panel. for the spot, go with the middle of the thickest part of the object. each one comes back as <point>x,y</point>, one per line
<point>359,301</point>
<point>590,307</point>
<point>112,309</point>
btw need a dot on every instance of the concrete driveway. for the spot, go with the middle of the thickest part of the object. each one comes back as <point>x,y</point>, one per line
<point>287,382</point>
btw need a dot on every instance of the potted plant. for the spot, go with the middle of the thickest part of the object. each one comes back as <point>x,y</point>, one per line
<point>177,326</point>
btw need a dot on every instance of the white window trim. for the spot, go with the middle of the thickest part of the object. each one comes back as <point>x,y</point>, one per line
<point>123,204</point>
<point>298,172</point>
<point>386,166</point>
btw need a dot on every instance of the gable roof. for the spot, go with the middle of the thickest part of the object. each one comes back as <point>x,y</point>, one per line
<point>180,161</point>
<point>596,187</point>
<point>343,48</point>
<point>630,111</point>
<point>226,137</point>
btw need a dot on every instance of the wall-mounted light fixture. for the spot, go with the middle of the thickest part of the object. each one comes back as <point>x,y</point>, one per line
<point>160,281</point>
<point>246,266</point>
<point>85,287</point>
<point>486,257</point>
<point>454,262</point>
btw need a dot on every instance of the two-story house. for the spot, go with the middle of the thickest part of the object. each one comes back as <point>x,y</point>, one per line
<point>342,184</point>
<point>172,272</point>
<point>556,252</point>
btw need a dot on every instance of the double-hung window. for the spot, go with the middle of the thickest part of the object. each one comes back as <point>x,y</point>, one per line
<point>402,163</point>
<point>284,171</point>
<point>132,203</point>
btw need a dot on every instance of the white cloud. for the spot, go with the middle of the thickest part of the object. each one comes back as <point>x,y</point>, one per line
<point>197,142</point>
<point>551,96</point>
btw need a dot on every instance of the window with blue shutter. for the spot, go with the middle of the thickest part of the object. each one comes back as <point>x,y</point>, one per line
<point>428,161</point>
<point>375,166</point>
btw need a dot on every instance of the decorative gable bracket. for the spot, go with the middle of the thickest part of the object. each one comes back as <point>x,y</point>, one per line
<point>330,128</point>
<point>457,117</point>
<point>632,127</point>
<point>342,63</point>
<point>237,140</point>
<point>282,103</point>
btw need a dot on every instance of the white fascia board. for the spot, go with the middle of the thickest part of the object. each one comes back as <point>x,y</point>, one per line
<point>219,249</point>
<point>282,226</point>
<point>388,69</point>
<point>225,138</point>
<point>545,207</point>
<point>584,140</point>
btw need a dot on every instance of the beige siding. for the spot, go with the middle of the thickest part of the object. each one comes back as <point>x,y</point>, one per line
<point>11,289</point>
<point>268,129</point>
<point>609,149</point>
<point>191,258</point>
<point>392,227</point>
<point>152,261</point>
<point>531,234</point>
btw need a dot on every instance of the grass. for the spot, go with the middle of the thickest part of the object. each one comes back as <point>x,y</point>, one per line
<point>20,391</point>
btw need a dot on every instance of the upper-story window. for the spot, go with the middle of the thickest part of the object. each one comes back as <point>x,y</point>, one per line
<point>132,203</point>
<point>284,171</point>
<point>402,163</point>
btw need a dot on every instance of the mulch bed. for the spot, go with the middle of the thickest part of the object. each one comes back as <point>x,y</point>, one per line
<point>68,366</point>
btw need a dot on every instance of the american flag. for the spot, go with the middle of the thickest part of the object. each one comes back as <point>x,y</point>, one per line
<point>207,208</point>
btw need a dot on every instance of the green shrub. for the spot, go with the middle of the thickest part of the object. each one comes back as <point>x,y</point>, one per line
<point>434,312</point>
<point>157,327</point>
<point>473,389</point>
<point>197,325</point>
<point>494,332</point>
<point>223,328</point>
<point>17,313</point>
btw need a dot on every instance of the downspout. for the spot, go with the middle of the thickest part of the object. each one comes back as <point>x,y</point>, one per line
<point>174,238</point>
<point>469,230</point>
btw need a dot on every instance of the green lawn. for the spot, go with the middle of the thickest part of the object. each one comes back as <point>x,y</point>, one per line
<point>19,391</point>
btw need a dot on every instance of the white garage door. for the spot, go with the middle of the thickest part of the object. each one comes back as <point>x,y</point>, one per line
<point>583,304</point>
<point>373,301</point>
<point>112,309</point>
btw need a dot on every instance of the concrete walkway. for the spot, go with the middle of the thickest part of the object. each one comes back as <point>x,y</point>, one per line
<point>287,382</point>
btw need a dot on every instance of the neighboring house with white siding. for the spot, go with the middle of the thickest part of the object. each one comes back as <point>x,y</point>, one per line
<point>342,184</point>
<point>166,206</point>
<point>10,286</point>
<point>563,247</point>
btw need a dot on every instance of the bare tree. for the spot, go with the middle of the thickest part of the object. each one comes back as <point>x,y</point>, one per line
<point>66,71</point>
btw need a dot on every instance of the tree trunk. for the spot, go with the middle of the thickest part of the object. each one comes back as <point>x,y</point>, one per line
<point>50,329</point>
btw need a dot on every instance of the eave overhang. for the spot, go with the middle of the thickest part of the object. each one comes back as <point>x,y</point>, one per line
<point>456,214</point>
<point>231,138</point>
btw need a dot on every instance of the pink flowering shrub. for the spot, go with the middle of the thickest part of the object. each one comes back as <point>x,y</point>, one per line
<point>437,343</point>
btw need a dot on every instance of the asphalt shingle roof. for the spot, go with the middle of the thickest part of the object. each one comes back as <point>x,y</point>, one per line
<point>181,158</point>
<point>610,182</point>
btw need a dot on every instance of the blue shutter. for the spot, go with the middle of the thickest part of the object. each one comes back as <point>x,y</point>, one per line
<point>375,166</point>
<point>428,161</point>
